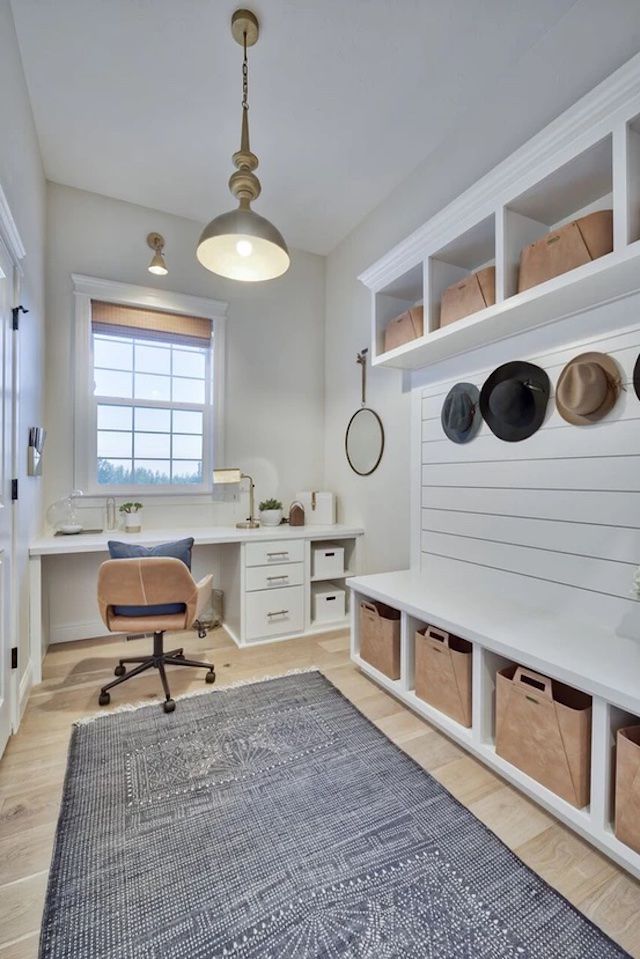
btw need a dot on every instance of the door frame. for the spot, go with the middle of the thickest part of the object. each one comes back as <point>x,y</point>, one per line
<point>12,243</point>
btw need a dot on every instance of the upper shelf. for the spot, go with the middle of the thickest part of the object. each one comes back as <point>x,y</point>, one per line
<point>586,160</point>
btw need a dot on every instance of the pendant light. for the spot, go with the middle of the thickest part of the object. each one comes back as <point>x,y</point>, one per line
<point>241,244</point>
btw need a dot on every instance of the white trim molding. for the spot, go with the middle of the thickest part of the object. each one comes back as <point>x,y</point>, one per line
<point>9,231</point>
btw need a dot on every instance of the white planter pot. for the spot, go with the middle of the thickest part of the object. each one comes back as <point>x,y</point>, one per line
<point>270,517</point>
<point>133,521</point>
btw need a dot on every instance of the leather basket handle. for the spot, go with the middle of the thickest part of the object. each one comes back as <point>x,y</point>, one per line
<point>535,681</point>
<point>440,635</point>
<point>370,608</point>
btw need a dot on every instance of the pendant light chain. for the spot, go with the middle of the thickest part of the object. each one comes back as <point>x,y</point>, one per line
<point>245,75</point>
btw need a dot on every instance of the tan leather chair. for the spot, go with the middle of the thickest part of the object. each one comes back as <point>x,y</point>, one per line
<point>151,581</point>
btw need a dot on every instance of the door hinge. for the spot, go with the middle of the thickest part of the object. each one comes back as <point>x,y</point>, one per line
<point>14,657</point>
<point>14,489</point>
<point>15,312</point>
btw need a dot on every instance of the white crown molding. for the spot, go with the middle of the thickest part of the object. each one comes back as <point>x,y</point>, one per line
<point>132,295</point>
<point>586,122</point>
<point>9,231</point>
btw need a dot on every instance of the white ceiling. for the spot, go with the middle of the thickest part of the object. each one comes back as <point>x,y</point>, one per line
<point>140,99</point>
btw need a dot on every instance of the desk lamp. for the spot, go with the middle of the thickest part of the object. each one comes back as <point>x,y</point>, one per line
<point>236,476</point>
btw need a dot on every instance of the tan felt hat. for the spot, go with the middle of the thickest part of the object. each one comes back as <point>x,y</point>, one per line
<point>588,388</point>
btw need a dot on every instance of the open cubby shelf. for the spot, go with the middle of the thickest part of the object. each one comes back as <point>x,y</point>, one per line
<point>418,606</point>
<point>593,164</point>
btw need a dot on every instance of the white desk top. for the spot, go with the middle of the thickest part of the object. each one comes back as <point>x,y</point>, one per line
<point>598,661</point>
<point>203,536</point>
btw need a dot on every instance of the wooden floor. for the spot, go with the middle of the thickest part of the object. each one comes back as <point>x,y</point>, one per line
<point>32,770</point>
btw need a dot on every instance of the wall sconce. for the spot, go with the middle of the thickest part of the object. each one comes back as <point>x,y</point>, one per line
<point>236,476</point>
<point>157,265</point>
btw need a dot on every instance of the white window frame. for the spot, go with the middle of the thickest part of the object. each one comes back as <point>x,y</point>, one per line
<point>88,288</point>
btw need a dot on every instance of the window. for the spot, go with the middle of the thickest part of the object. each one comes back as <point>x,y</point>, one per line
<point>151,420</point>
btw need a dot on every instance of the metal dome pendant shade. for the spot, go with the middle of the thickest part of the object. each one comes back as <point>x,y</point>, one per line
<point>241,244</point>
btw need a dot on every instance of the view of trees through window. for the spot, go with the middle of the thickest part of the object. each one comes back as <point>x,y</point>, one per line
<point>151,398</point>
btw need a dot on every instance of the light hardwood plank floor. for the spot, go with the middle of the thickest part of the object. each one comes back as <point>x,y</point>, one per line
<point>32,771</point>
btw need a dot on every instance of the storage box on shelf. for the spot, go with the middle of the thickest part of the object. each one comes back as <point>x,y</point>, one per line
<point>605,692</point>
<point>400,295</point>
<point>327,560</point>
<point>380,637</point>
<point>328,602</point>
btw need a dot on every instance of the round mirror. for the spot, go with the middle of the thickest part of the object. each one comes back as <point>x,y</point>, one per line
<point>364,441</point>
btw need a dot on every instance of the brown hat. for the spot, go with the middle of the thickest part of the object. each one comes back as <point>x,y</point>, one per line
<point>588,388</point>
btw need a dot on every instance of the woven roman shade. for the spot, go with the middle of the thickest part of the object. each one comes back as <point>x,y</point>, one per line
<point>113,318</point>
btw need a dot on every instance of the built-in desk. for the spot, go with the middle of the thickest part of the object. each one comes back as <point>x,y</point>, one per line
<point>266,576</point>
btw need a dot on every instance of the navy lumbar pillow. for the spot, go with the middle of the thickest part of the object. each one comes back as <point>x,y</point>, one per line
<point>180,549</point>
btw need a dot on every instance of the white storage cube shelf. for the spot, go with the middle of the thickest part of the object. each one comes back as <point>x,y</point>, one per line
<point>327,560</point>
<point>587,160</point>
<point>329,603</point>
<point>610,712</point>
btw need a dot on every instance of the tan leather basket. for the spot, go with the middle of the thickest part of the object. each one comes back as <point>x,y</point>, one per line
<point>404,328</point>
<point>562,250</point>
<point>380,637</point>
<point>443,672</point>
<point>627,817</point>
<point>544,728</point>
<point>468,296</point>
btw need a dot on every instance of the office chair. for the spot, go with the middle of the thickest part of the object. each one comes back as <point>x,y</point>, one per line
<point>167,597</point>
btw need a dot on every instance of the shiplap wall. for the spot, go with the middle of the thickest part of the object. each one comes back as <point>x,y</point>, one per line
<point>554,519</point>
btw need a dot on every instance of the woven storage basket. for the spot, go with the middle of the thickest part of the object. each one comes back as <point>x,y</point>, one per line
<point>443,672</point>
<point>562,250</point>
<point>404,328</point>
<point>468,296</point>
<point>544,728</point>
<point>380,637</point>
<point>627,818</point>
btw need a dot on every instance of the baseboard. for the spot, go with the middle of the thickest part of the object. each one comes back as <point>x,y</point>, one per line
<point>72,632</point>
<point>24,688</point>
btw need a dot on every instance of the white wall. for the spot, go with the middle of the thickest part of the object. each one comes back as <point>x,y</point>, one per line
<point>479,140</point>
<point>274,374</point>
<point>22,180</point>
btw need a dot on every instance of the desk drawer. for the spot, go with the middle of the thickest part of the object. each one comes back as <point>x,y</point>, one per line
<point>274,612</point>
<point>270,554</point>
<point>274,577</point>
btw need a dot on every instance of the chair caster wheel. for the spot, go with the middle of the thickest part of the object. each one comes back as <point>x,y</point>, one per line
<point>119,670</point>
<point>104,699</point>
<point>169,705</point>
<point>210,677</point>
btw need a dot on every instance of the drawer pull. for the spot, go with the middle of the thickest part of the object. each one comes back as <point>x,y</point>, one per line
<point>283,552</point>
<point>281,576</point>
<point>279,612</point>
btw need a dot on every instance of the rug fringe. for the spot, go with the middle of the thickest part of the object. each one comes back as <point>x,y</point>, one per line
<point>145,704</point>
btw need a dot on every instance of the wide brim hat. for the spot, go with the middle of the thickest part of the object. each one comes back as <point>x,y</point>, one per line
<point>587,388</point>
<point>460,415</point>
<point>636,377</point>
<point>513,400</point>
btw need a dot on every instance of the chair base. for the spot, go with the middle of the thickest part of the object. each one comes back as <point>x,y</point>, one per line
<point>158,660</point>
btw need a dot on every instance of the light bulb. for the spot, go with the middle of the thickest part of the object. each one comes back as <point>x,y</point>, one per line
<point>244,248</point>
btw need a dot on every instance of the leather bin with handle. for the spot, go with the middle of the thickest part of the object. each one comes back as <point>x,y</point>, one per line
<point>467,296</point>
<point>404,328</point>
<point>443,672</point>
<point>544,728</point>
<point>627,814</point>
<point>380,637</point>
<point>564,249</point>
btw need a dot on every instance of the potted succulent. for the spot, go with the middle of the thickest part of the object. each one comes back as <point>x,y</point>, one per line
<point>270,512</point>
<point>132,516</point>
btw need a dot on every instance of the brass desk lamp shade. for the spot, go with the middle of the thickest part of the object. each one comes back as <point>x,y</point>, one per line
<point>225,476</point>
<point>241,244</point>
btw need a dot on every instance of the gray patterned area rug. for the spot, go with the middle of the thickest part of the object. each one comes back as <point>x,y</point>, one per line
<point>274,821</point>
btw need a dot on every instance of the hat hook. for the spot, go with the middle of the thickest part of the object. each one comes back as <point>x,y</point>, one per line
<point>361,359</point>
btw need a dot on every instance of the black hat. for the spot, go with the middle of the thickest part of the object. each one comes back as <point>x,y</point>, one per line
<point>513,400</point>
<point>636,377</point>
<point>460,415</point>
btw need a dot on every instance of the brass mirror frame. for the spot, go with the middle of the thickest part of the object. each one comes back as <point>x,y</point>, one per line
<point>346,442</point>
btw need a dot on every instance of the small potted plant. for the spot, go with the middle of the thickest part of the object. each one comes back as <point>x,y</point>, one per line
<point>270,512</point>
<point>132,516</point>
